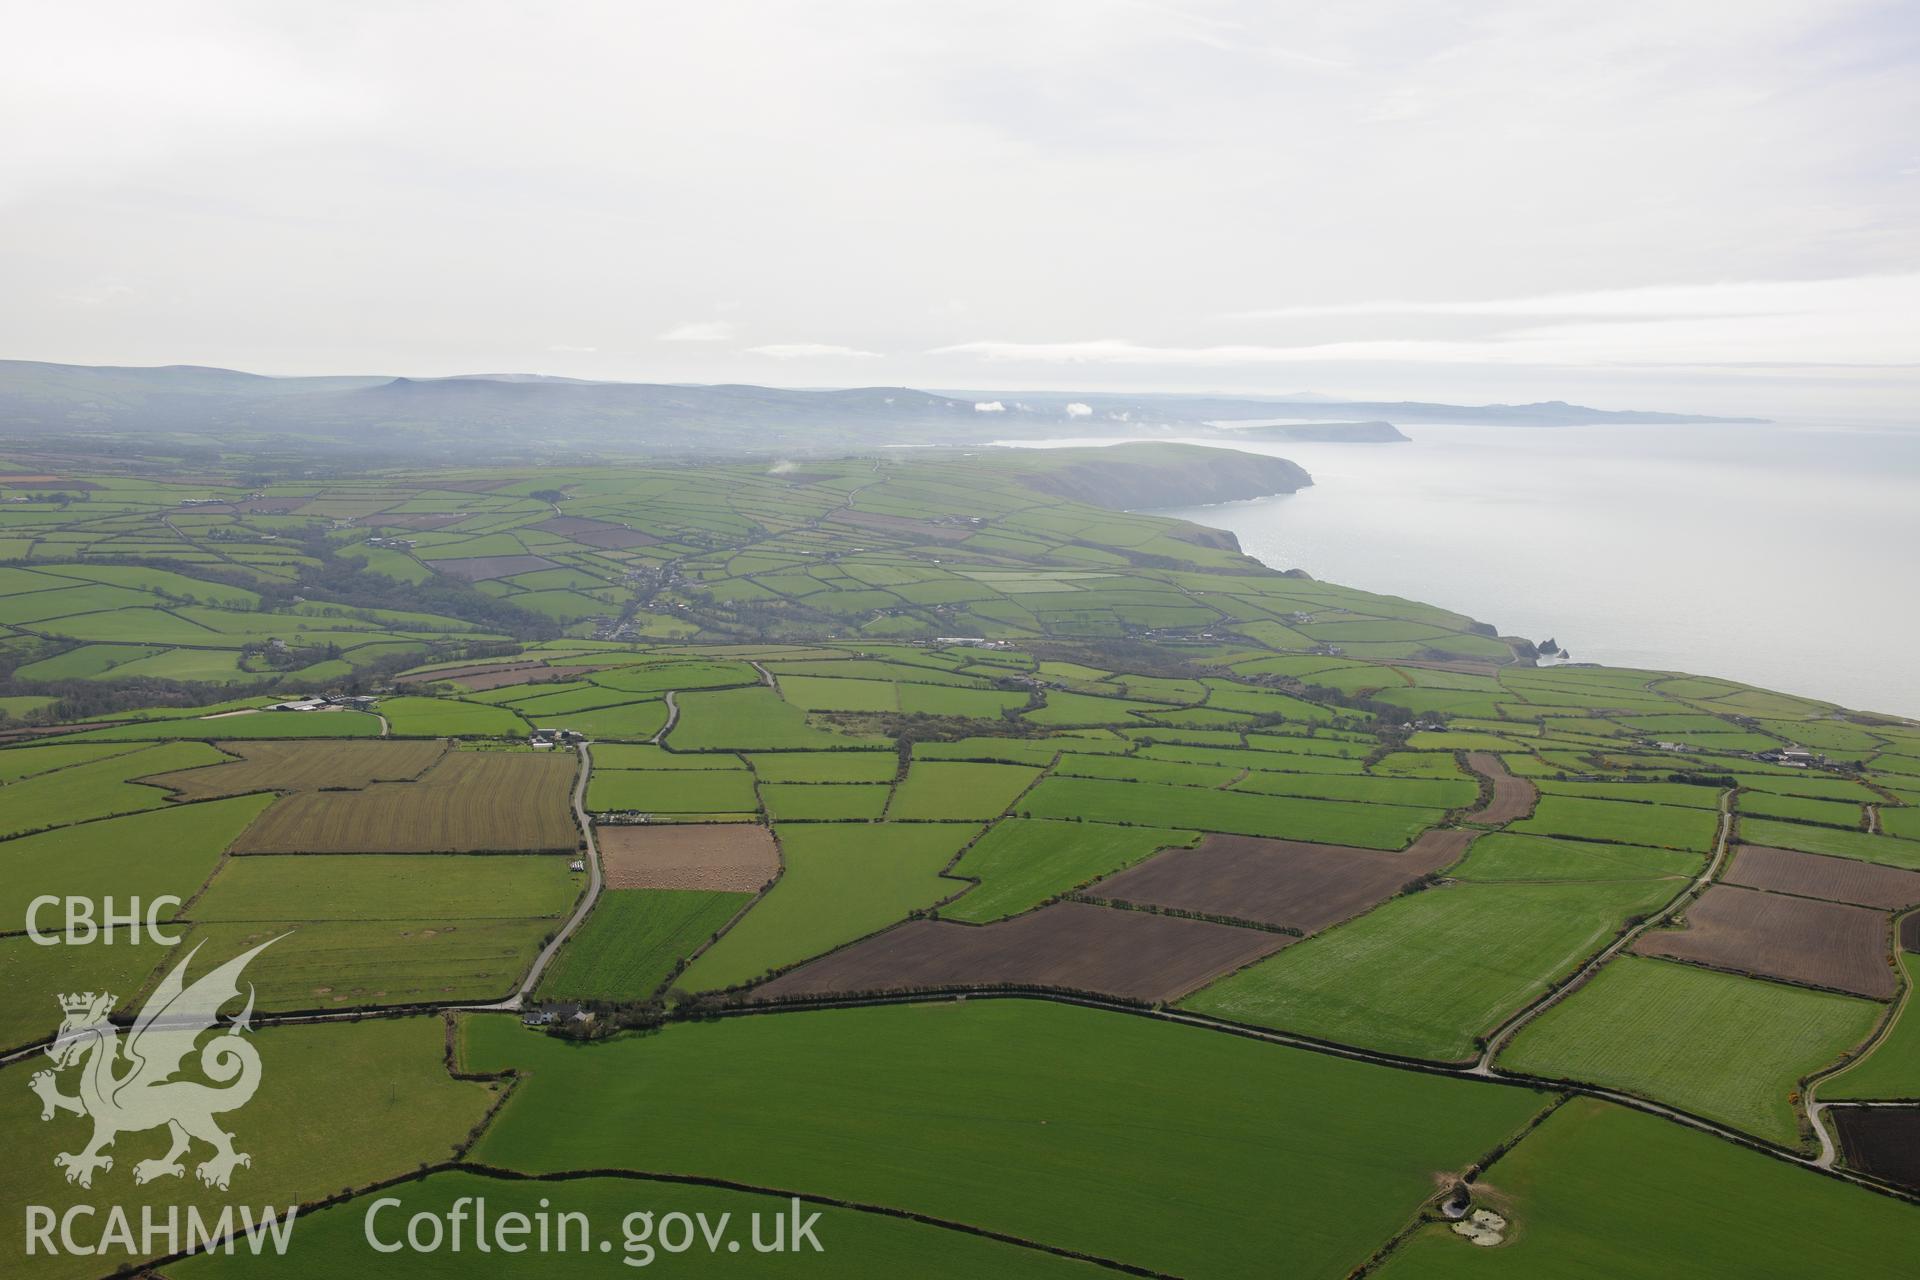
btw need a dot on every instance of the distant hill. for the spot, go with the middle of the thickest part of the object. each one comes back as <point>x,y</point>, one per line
<point>1375,432</point>
<point>493,417</point>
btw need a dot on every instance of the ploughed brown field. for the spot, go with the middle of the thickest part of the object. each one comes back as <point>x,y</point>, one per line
<point>1513,798</point>
<point>1286,883</point>
<point>1882,1141</point>
<point>1814,875</point>
<point>1910,933</point>
<point>304,766</point>
<point>470,802</point>
<point>1075,946</point>
<point>1825,944</point>
<point>481,568</point>
<point>721,855</point>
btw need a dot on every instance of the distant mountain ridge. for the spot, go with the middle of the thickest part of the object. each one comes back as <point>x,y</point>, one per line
<point>529,414</point>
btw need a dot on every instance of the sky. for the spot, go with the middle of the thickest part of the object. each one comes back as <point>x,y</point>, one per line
<point>1685,204</point>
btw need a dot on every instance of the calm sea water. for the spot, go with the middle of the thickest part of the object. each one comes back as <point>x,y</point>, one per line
<point>1787,557</point>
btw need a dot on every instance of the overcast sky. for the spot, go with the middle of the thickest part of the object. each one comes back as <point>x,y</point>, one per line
<point>1679,203</point>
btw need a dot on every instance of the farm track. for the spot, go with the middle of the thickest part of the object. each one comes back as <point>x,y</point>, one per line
<point>1816,1110</point>
<point>592,896</point>
<point>673,718</point>
<point>1506,1031</point>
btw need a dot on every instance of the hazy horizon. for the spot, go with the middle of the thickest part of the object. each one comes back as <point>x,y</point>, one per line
<point>1680,208</point>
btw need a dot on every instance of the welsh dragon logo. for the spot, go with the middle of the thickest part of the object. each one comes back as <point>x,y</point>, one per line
<point>129,1087</point>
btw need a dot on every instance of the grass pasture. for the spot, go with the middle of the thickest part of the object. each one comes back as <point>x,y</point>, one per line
<point>1233,812</point>
<point>942,791</point>
<point>1731,1214</point>
<point>856,1244</point>
<point>1427,974</point>
<point>633,940</point>
<point>1728,1048</point>
<point>1891,850</point>
<point>1280,1153</point>
<point>841,882</point>
<point>312,1128</point>
<point>1654,825</point>
<point>1022,862</point>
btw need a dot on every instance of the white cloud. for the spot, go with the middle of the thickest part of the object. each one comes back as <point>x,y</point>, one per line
<point>811,350</point>
<point>1845,323</point>
<point>989,406</point>
<point>1078,410</point>
<point>699,331</point>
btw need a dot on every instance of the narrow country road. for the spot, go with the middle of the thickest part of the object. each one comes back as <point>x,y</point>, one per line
<point>547,953</point>
<point>673,718</point>
<point>1506,1031</point>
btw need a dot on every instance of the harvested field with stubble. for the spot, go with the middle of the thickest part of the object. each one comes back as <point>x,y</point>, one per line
<point>348,765</point>
<point>470,802</point>
<point>1513,798</point>
<point>1075,946</point>
<point>1772,935</point>
<point>1286,883</point>
<point>1813,875</point>
<point>731,856</point>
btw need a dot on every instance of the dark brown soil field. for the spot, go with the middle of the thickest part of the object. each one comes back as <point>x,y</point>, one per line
<point>480,568</point>
<point>1882,1141</point>
<point>722,855</point>
<point>304,766</point>
<point>1073,946</point>
<point>1513,798</point>
<point>1826,944</point>
<point>1910,933</point>
<point>1287,883</point>
<point>470,802</point>
<point>1813,875</point>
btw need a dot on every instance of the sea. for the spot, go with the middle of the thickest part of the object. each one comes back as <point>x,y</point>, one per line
<point>1785,556</point>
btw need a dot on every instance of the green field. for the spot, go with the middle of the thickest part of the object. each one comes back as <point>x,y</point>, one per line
<point>1022,862</point>
<point>825,766</point>
<point>1728,1048</point>
<point>1500,855</point>
<point>841,882</point>
<point>1655,825</point>
<point>1427,974</point>
<point>145,855</point>
<point>1888,849</point>
<point>670,790</point>
<point>1052,1123</point>
<point>754,719</point>
<point>372,886</point>
<point>1892,1069</point>
<point>372,963</point>
<point>632,941</point>
<point>98,788</point>
<point>1599,1190</point>
<point>1370,826</point>
<point>942,791</point>
<point>312,1129</point>
<point>825,801</point>
<point>333,1243</point>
